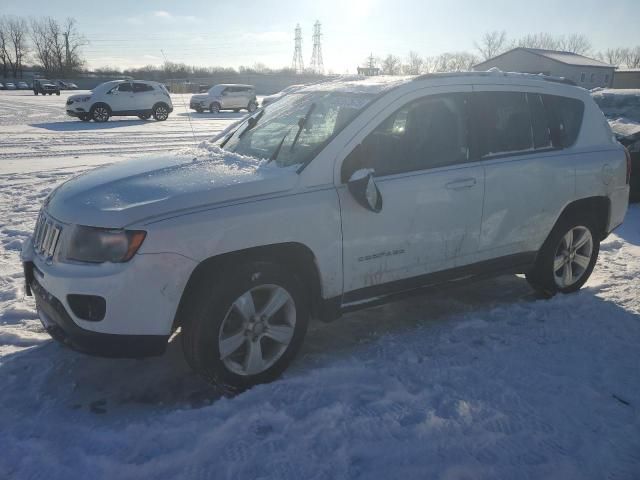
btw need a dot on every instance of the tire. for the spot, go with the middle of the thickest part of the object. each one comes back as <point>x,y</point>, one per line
<point>252,107</point>
<point>161,112</point>
<point>199,110</point>
<point>100,113</point>
<point>214,107</point>
<point>144,116</point>
<point>214,314</point>
<point>85,117</point>
<point>565,262</point>
<point>58,93</point>
<point>35,93</point>
<point>236,110</point>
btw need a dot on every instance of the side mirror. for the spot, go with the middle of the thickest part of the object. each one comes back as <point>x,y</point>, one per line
<point>364,190</point>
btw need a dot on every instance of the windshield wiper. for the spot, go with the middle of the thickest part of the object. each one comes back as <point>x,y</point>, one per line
<point>251,123</point>
<point>276,152</point>
<point>301,124</point>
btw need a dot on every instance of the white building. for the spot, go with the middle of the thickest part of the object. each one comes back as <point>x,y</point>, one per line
<point>584,71</point>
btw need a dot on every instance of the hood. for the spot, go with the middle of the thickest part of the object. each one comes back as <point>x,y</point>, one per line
<point>200,96</point>
<point>128,192</point>
<point>78,96</point>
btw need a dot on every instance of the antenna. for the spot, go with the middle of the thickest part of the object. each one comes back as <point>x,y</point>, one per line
<point>317,64</point>
<point>297,65</point>
<point>193,132</point>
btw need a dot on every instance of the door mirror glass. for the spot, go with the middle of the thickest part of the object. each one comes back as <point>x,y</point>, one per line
<point>364,190</point>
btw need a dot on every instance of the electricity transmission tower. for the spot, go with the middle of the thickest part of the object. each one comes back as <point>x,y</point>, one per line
<point>317,64</point>
<point>297,65</point>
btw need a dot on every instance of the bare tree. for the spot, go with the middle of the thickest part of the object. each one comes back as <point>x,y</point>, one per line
<point>57,46</point>
<point>543,41</point>
<point>632,59</point>
<point>455,62</point>
<point>13,44</point>
<point>391,65</point>
<point>575,43</point>
<point>492,44</point>
<point>614,56</point>
<point>414,64</point>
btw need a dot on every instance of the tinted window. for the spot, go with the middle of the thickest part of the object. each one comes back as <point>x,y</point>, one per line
<point>539,121</point>
<point>124,87</point>
<point>427,133</point>
<point>565,119</point>
<point>502,122</point>
<point>142,87</point>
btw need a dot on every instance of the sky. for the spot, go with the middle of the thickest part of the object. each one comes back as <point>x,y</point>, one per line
<point>126,33</point>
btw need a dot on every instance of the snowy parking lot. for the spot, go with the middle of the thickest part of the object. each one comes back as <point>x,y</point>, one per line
<point>476,381</point>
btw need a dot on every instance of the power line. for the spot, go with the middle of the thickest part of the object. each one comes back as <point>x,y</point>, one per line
<point>297,65</point>
<point>317,65</point>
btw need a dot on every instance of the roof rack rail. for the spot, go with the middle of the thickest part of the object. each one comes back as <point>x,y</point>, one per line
<point>495,72</point>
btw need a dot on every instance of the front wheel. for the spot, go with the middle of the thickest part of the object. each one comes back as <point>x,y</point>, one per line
<point>144,116</point>
<point>567,258</point>
<point>85,117</point>
<point>58,93</point>
<point>35,92</point>
<point>214,107</point>
<point>252,106</point>
<point>100,113</point>
<point>246,327</point>
<point>161,112</point>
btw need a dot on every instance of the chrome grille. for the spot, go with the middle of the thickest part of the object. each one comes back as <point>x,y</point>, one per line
<point>46,236</point>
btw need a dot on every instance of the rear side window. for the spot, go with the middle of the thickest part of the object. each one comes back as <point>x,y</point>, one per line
<point>565,119</point>
<point>502,122</point>
<point>142,87</point>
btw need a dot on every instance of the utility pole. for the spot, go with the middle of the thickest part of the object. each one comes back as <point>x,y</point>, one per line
<point>317,64</point>
<point>67,51</point>
<point>297,65</point>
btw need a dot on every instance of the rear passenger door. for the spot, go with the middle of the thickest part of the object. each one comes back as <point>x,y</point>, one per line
<point>519,139</point>
<point>143,97</point>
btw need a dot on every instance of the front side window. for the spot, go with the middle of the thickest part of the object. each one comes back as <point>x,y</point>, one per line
<point>123,87</point>
<point>424,134</point>
<point>292,131</point>
<point>502,122</point>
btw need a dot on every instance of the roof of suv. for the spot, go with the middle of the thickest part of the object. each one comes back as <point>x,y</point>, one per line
<point>379,84</point>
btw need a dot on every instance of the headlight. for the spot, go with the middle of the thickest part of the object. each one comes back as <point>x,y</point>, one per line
<point>84,99</point>
<point>99,245</point>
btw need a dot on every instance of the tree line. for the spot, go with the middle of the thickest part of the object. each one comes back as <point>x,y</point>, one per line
<point>47,43</point>
<point>495,43</point>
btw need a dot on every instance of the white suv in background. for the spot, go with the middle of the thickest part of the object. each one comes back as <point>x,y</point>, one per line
<point>336,197</point>
<point>225,97</point>
<point>122,98</point>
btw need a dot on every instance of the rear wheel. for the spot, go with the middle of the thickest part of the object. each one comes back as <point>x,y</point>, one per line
<point>252,106</point>
<point>246,327</point>
<point>100,113</point>
<point>567,258</point>
<point>161,112</point>
<point>214,107</point>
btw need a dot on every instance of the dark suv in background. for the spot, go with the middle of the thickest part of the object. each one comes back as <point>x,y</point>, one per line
<point>44,87</point>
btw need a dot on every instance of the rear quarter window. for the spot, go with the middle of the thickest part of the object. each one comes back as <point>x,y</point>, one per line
<point>565,119</point>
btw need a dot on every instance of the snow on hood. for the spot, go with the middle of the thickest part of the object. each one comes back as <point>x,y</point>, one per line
<point>123,193</point>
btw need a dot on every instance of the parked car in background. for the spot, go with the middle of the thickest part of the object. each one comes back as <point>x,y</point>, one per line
<point>10,86</point>
<point>66,85</point>
<point>1,86</point>
<point>45,87</point>
<point>23,86</point>
<point>139,98</point>
<point>225,97</point>
<point>372,188</point>
<point>277,96</point>
<point>622,110</point>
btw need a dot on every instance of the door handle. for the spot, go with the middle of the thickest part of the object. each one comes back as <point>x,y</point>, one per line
<point>461,184</point>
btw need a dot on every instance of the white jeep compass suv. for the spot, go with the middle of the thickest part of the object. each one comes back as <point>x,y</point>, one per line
<point>122,98</point>
<point>225,97</point>
<point>337,196</point>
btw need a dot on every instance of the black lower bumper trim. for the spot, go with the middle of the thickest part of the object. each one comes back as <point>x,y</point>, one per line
<point>62,328</point>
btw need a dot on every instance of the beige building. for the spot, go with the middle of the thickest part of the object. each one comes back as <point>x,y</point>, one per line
<point>626,79</point>
<point>584,71</point>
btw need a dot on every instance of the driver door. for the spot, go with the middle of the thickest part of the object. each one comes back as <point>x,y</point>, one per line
<point>121,98</point>
<point>431,192</point>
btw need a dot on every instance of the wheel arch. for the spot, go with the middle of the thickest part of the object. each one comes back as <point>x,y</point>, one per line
<point>599,207</point>
<point>157,104</point>
<point>103,104</point>
<point>296,256</point>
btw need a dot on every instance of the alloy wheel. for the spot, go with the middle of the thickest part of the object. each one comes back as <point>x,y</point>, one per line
<point>573,256</point>
<point>257,329</point>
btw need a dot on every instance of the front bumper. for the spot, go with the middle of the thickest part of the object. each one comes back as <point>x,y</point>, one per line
<point>61,327</point>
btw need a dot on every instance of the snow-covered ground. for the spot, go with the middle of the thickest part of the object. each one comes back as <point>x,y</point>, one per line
<point>481,381</point>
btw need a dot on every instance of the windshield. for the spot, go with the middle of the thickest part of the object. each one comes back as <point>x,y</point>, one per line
<point>293,130</point>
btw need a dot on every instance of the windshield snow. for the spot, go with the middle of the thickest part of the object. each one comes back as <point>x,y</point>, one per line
<point>293,130</point>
